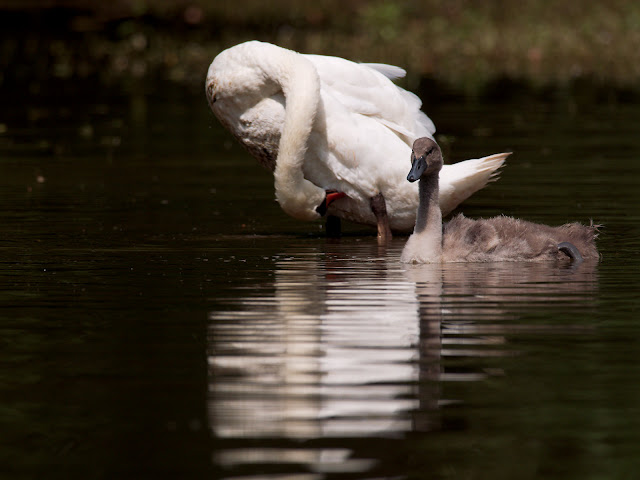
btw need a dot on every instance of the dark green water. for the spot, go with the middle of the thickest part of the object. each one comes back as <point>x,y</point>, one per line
<point>160,317</point>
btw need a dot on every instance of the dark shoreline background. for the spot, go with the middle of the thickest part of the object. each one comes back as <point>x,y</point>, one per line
<point>589,49</point>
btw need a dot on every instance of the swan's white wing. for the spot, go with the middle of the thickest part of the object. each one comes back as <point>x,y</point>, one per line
<point>366,89</point>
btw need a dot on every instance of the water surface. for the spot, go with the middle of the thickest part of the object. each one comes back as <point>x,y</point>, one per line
<point>161,316</point>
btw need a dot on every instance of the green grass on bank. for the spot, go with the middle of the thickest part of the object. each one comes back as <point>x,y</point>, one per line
<point>463,44</point>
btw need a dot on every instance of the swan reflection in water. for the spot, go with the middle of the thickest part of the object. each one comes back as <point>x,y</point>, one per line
<point>348,342</point>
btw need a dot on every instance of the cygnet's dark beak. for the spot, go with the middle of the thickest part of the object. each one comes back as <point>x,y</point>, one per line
<point>417,169</point>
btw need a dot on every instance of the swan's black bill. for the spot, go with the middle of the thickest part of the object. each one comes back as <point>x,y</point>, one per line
<point>417,169</point>
<point>331,196</point>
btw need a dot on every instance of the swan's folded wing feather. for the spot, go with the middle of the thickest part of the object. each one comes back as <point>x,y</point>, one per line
<point>390,71</point>
<point>367,89</point>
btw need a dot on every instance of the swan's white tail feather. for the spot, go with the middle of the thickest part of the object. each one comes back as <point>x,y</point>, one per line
<point>493,165</point>
<point>462,179</point>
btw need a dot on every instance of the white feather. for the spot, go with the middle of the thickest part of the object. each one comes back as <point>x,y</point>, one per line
<point>323,123</point>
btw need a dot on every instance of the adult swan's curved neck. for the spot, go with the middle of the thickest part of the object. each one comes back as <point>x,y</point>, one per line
<point>300,84</point>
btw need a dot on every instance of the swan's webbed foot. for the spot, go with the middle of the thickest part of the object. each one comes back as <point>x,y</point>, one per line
<point>571,251</point>
<point>379,209</point>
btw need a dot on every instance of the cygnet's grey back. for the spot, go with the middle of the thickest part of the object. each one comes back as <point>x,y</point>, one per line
<point>511,239</point>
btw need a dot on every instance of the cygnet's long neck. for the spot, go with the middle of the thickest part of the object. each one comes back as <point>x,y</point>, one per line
<point>429,217</point>
<point>425,245</point>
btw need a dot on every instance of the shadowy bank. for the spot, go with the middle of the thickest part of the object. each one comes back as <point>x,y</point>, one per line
<point>468,47</point>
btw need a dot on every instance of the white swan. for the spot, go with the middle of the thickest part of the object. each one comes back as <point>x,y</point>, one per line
<point>328,125</point>
<point>485,240</point>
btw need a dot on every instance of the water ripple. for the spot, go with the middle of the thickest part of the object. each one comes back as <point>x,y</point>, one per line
<point>341,347</point>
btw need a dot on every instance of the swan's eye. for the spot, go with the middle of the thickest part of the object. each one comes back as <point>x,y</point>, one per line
<point>429,152</point>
